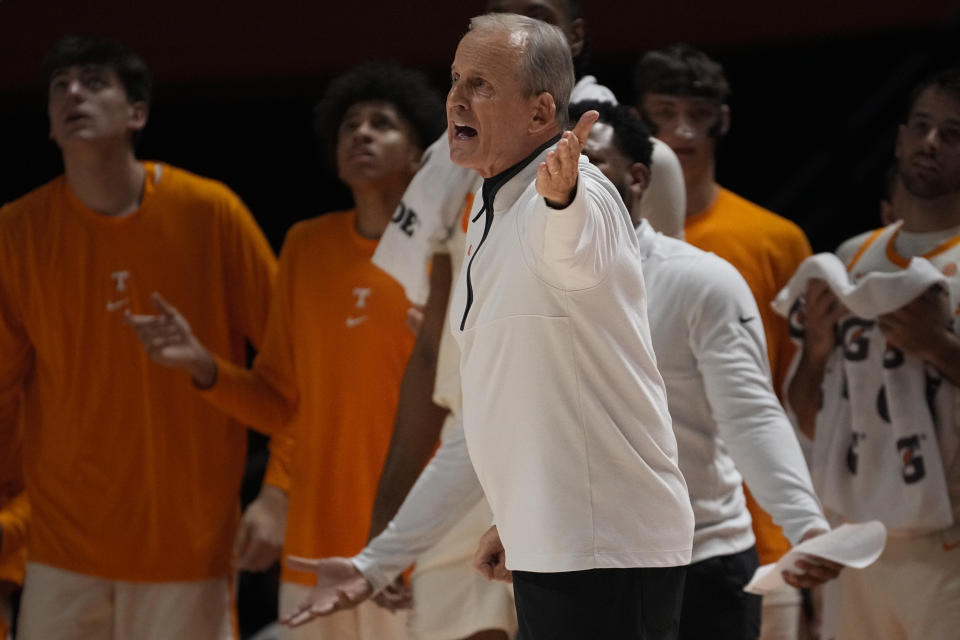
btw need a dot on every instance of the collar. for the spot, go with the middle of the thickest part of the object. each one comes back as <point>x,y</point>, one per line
<point>501,191</point>
<point>647,238</point>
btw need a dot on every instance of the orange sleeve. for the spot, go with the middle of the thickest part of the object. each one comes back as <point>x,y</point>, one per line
<point>253,270</point>
<point>16,352</point>
<point>265,396</point>
<point>280,467</point>
<point>14,518</point>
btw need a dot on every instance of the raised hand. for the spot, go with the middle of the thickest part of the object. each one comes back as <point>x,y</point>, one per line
<point>168,340</point>
<point>490,558</point>
<point>557,175</point>
<point>339,586</point>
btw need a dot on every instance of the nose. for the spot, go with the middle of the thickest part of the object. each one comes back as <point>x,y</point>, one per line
<point>456,98</point>
<point>932,138</point>
<point>684,129</point>
<point>74,88</point>
<point>364,131</point>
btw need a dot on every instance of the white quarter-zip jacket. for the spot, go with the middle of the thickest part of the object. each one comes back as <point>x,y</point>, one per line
<point>564,411</point>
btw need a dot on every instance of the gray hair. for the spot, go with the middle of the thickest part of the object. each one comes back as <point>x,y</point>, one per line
<point>545,61</point>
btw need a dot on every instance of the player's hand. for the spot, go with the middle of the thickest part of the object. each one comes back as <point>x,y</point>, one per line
<point>816,570</point>
<point>490,558</point>
<point>557,175</point>
<point>920,327</point>
<point>339,586</point>
<point>259,542</point>
<point>395,596</point>
<point>167,339</point>
<point>822,310</point>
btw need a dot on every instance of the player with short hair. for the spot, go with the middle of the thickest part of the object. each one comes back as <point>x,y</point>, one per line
<point>326,380</point>
<point>878,396</point>
<point>133,480</point>
<point>682,93</point>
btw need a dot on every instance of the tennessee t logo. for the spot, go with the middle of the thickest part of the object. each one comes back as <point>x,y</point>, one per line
<point>120,277</point>
<point>361,294</point>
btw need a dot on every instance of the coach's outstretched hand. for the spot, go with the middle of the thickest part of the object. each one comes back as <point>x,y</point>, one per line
<point>339,586</point>
<point>557,174</point>
<point>167,339</point>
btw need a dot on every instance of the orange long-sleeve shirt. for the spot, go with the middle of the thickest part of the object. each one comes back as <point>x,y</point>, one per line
<point>333,355</point>
<point>130,474</point>
<point>14,509</point>
<point>766,249</point>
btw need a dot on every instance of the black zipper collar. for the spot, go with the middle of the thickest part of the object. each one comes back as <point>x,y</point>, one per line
<point>491,186</point>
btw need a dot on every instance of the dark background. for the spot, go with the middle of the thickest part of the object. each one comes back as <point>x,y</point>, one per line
<point>818,89</point>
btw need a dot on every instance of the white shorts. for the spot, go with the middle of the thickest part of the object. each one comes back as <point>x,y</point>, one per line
<point>911,593</point>
<point>451,598</point>
<point>780,614</point>
<point>365,622</point>
<point>62,605</point>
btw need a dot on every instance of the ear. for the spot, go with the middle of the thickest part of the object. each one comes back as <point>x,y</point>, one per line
<point>639,181</point>
<point>724,119</point>
<point>138,116</point>
<point>544,112</point>
<point>576,37</point>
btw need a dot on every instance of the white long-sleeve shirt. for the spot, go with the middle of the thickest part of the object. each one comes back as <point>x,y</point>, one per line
<point>563,408</point>
<point>729,424</point>
<point>725,414</point>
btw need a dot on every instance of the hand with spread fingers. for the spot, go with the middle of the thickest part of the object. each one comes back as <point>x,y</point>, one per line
<point>816,570</point>
<point>490,558</point>
<point>339,586</point>
<point>168,340</point>
<point>557,175</point>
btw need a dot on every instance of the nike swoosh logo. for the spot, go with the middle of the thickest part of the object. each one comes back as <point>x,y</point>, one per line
<point>950,546</point>
<point>353,321</point>
<point>113,305</point>
<point>747,319</point>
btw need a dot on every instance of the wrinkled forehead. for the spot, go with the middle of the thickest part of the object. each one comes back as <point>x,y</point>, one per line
<point>491,50</point>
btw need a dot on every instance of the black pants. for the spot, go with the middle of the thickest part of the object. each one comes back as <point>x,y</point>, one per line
<point>599,604</point>
<point>715,605</point>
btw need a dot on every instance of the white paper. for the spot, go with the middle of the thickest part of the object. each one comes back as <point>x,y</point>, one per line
<point>852,545</point>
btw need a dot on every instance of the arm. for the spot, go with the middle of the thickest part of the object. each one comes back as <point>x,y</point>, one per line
<point>731,356</point>
<point>245,395</point>
<point>419,421</point>
<point>574,230</point>
<point>822,311</point>
<point>446,491</point>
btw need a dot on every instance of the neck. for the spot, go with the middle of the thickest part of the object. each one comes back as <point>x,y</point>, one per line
<point>921,215</point>
<point>375,206</point>
<point>109,183</point>
<point>701,192</point>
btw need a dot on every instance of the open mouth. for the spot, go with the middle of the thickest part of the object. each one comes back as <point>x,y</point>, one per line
<point>462,131</point>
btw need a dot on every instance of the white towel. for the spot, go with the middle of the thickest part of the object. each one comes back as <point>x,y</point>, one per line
<point>429,209</point>
<point>877,449</point>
